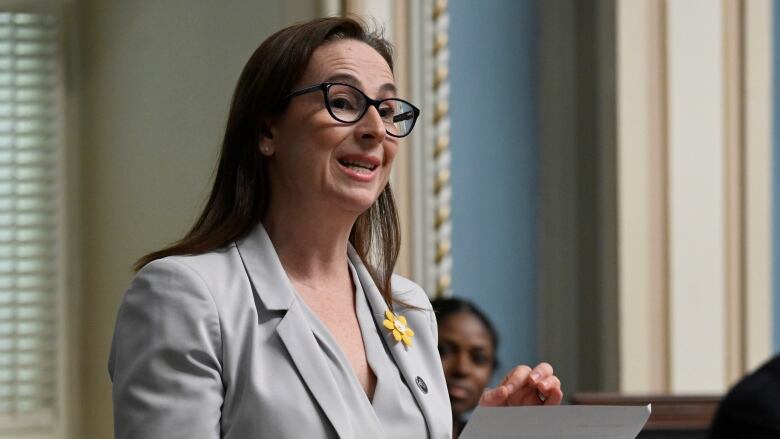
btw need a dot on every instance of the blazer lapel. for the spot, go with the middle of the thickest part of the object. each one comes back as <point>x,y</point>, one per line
<point>304,350</point>
<point>273,289</point>
<point>409,361</point>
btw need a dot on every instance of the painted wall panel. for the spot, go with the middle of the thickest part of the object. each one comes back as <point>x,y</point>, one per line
<point>642,198</point>
<point>776,174</point>
<point>757,181</point>
<point>696,175</point>
<point>493,135</point>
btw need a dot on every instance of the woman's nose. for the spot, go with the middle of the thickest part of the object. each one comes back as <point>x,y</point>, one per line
<point>371,126</point>
<point>463,363</point>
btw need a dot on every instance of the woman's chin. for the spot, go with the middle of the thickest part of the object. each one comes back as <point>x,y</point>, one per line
<point>459,407</point>
<point>357,201</point>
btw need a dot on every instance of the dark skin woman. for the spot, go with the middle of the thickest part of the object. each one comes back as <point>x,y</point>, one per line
<point>468,345</point>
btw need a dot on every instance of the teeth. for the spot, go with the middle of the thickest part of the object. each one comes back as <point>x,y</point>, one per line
<point>358,166</point>
<point>360,170</point>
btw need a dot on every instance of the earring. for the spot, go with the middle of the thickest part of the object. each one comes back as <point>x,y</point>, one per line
<point>266,149</point>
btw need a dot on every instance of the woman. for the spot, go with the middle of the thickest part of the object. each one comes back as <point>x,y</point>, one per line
<point>278,315</point>
<point>468,343</point>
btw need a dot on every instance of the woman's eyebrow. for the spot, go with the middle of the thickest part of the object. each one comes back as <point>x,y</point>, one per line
<point>348,79</point>
<point>388,87</point>
<point>344,78</point>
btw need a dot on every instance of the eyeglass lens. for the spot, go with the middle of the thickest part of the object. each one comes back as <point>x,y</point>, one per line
<point>348,104</point>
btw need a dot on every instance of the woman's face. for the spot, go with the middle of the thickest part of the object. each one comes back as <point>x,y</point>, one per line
<point>319,162</point>
<point>467,355</point>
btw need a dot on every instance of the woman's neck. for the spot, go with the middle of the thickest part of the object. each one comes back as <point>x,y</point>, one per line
<point>457,426</point>
<point>311,247</point>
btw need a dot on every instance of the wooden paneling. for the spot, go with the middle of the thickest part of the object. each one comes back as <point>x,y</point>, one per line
<point>669,413</point>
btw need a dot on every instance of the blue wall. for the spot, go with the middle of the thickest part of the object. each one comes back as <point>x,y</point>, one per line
<point>776,171</point>
<point>494,166</point>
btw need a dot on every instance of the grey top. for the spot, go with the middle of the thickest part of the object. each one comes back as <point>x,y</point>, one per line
<point>393,412</point>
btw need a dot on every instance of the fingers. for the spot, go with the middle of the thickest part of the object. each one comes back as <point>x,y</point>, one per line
<point>516,384</point>
<point>548,385</point>
<point>540,372</point>
<point>550,388</point>
<point>516,377</point>
<point>525,386</point>
<point>510,390</point>
<point>494,397</point>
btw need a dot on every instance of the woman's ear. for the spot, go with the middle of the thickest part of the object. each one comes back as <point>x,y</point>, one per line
<point>266,141</point>
<point>266,146</point>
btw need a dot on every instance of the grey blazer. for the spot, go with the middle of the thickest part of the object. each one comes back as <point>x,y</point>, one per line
<point>216,346</point>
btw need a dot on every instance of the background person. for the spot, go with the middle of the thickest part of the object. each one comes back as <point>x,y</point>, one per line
<point>468,344</point>
<point>751,409</point>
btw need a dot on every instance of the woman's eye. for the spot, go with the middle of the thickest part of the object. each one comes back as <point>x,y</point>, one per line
<point>387,112</point>
<point>444,350</point>
<point>342,103</point>
<point>480,358</point>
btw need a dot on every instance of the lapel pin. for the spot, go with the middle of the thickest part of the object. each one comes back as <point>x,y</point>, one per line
<point>421,384</point>
<point>398,327</point>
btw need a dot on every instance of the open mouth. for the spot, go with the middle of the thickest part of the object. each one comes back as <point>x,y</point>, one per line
<point>358,166</point>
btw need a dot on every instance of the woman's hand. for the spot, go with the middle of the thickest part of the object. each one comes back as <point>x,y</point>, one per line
<point>523,386</point>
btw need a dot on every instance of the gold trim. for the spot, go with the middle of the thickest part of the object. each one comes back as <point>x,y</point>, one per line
<point>441,223</point>
<point>439,9</point>
<point>443,283</point>
<point>443,250</point>
<point>442,216</point>
<point>440,43</point>
<point>659,258</point>
<point>442,110</point>
<point>441,75</point>
<point>442,180</point>
<point>734,206</point>
<point>442,144</point>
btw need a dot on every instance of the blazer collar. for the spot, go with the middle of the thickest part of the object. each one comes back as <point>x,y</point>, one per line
<point>265,270</point>
<point>303,347</point>
<point>410,362</point>
<point>273,289</point>
<point>275,292</point>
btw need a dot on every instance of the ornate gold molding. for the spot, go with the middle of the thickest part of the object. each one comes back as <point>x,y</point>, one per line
<point>442,187</point>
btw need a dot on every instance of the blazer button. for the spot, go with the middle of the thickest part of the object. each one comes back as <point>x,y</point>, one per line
<point>421,384</point>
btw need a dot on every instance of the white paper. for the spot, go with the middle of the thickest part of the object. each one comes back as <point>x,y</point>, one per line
<point>566,421</point>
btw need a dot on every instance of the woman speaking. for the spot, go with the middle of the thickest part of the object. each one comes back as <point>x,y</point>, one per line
<point>277,315</point>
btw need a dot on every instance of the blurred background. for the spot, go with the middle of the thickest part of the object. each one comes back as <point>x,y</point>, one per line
<point>598,175</point>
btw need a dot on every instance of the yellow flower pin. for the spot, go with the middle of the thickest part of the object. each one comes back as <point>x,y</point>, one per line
<point>397,324</point>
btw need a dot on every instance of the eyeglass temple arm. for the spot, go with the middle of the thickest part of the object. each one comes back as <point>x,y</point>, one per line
<point>303,91</point>
<point>406,115</point>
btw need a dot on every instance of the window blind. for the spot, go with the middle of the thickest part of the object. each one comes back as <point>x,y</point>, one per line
<point>29,209</point>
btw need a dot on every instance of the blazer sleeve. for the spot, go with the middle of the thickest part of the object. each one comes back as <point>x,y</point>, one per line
<point>165,361</point>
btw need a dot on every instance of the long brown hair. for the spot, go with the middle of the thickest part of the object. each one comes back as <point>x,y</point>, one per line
<point>240,196</point>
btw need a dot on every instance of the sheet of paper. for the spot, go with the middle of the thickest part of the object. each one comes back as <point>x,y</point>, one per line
<point>566,421</point>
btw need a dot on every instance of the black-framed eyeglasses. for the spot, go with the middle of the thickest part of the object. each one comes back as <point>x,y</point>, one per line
<point>347,104</point>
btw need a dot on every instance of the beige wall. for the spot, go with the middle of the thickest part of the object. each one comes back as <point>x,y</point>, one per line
<point>695,184</point>
<point>155,80</point>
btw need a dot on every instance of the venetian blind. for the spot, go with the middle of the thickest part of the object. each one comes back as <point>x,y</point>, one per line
<point>29,180</point>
